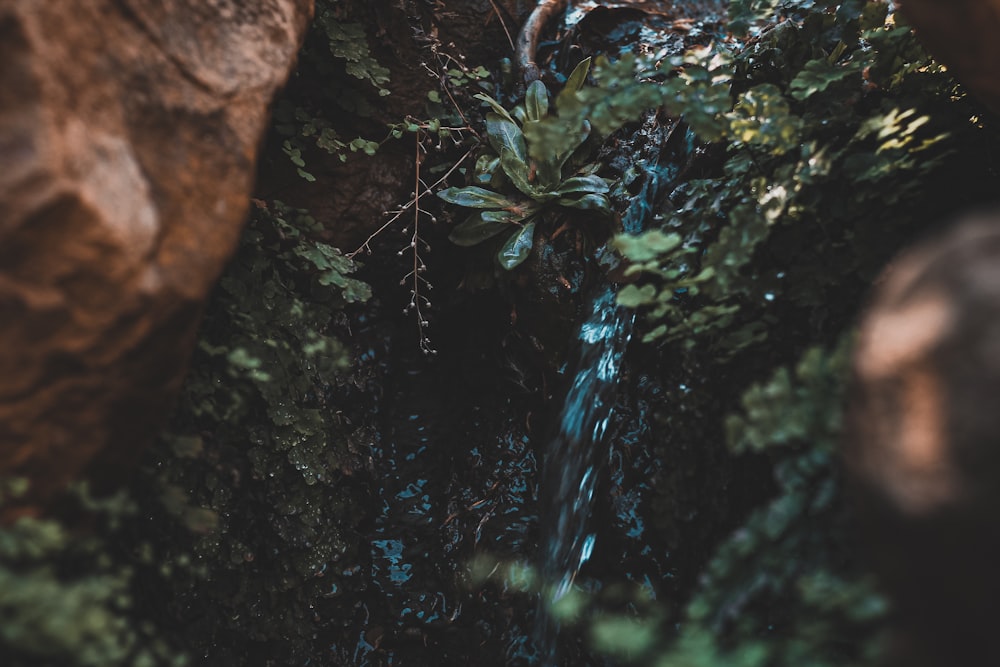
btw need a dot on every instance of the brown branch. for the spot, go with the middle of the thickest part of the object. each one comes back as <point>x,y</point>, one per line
<point>527,40</point>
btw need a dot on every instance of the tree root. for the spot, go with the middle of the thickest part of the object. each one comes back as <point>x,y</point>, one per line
<point>527,39</point>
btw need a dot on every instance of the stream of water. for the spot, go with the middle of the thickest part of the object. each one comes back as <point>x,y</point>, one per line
<point>575,457</point>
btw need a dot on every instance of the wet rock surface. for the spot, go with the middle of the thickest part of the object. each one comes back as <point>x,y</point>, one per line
<point>128,134</point>
<point>453,477</point>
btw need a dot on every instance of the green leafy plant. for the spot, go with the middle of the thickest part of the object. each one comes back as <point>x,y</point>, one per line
<point>299,128</point>
<point>836,141</point>
<point>790,145</point>
<point>526,181</point>
<point>777,592</point>
<point>348,43</point>
<point>250,477</point>
<point>68,596</point>
<point>337,48</point>
<point>789,555</point>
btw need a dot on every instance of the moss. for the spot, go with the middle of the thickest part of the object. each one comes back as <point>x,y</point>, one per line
<point>259,456</point>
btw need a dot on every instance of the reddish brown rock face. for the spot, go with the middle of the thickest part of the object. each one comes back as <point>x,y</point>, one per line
<point>924,444</point>
<point>965,36</point>
<point>128,135</point>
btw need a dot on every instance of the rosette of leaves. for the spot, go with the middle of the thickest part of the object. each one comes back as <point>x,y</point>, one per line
<point>516,181</point>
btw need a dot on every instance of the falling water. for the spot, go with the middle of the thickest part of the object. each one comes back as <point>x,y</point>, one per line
<point>573,458</point>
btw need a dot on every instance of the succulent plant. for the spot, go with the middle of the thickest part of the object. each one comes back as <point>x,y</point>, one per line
<point>524,180</point>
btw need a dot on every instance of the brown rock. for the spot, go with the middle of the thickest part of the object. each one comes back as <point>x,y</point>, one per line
<point>128,135</point>
<point>924,444</point>
<point>965,36</point>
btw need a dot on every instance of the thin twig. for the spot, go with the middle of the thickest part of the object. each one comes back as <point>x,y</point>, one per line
<point>468,125</point>
<point>510,39</point>
<point>406,207</point>
<point>442,79</point>
<point>416,299</point>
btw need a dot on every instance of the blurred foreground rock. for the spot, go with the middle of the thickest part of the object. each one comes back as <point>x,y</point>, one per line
<point>128,138</point>
<point>924,444</point>
<point>962,34</point>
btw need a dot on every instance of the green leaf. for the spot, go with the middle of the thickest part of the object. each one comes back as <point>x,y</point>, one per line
<point>567,96</point>
<point>631,296</point>
<point>647,246</point>
<point>505,134</point>
<point>536,101</point>
<point>873,15</point>
<point>355,291</point>
<point>551,142</point>
<point>818,75</point>
<point>476,229</point>
<point>482,179</point>
<point>590,202</point>
<point>325,257</point>
<point>505,217</point>
<point>518,247</point>
<point>517,170</point>
<point>584,184</point>
<point>762,116</point>
<point>494,105</point>
<point>656,333</point>
<point>486,167</point>
<point>241,358</point>
<point>474,197</point>
<point>624,636</point>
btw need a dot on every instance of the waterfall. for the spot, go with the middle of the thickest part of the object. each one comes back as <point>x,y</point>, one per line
<point>574,457</point>
<point>574,453</point>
